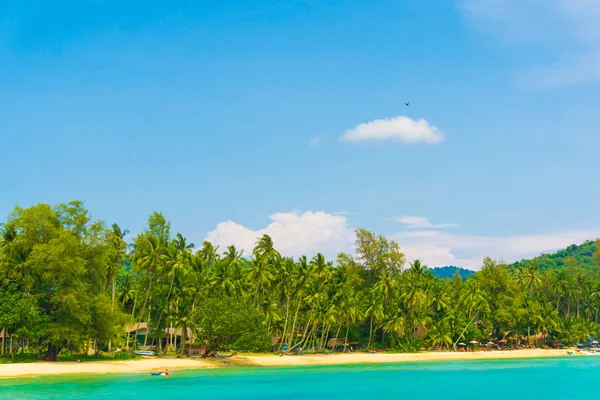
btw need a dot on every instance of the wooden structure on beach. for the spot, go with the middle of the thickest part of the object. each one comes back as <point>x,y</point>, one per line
<point>340,344</point>
<point>173,335</point>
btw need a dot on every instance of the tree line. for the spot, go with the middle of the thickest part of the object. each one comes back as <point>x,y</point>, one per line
<point>67,281</point>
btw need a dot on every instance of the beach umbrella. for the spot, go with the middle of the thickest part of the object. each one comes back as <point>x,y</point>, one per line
<point>474,342</point>
<point>594,342</point>
<point>462,344</point>
<point>490,343</point>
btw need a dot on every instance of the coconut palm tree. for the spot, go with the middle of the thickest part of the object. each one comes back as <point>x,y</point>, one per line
<point>374,312</point>
<point>561,286</point>
<point>260,274</point>
<point>150,256</point>
<point>439,334</point>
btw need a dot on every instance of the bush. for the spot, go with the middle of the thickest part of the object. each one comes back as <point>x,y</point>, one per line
<point>124,355</point>
<point>231,324</point>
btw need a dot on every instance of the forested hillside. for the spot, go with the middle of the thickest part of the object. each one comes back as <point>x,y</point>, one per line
<point>450,271</point>
<point>586,255</point>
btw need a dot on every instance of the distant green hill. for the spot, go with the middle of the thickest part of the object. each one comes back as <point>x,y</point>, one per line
<point>449,271</point>
<point>586,255</point>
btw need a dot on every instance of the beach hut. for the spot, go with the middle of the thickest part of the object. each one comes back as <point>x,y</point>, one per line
<point>171,334</point>
<point>196,350</point>
<point>339,344</point>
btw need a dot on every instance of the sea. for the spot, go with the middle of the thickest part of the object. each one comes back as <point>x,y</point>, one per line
<point>548,379</point>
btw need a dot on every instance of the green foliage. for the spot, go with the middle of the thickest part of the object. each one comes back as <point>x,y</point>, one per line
<point>68,284</point>
<point>124,355</point>
<point>586,255</point>
<point>56,257</point>
<point>231,323</point>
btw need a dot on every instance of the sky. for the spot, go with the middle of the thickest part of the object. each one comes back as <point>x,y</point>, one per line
<point>239,118</point>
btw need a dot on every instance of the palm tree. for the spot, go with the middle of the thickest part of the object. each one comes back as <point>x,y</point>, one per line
<point>300,273</point>
<point>439,334</point>
<point>116,262</point>
<point>126,289</point>
<point>417,268</point>
<point>561,286</point>
<point>394,323</point>
<point>474,301</point>
<point>373,310</point>
<point>150,256</point>
<point>225,274</point>
<point>284,287</point>
<point>350,311</point>
<point>260,273</point>
<point>595,299</point>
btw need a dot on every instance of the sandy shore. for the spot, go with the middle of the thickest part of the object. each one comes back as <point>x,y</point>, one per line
<point>101,367</point>
<point>366,358</point>
<point>174,364</point>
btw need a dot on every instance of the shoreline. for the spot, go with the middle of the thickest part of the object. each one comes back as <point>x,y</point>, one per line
<point>24,370</point>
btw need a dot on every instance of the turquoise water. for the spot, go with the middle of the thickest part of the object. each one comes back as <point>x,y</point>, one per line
<point>548,379</point>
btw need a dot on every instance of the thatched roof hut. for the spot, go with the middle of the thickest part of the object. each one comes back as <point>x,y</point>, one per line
<point>143,330</point>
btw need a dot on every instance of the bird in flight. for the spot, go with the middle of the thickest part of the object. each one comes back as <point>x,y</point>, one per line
<point>407,104</point>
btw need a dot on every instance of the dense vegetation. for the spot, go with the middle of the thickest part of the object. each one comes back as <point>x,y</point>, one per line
<point>582,256</point>
<point>68,283</point>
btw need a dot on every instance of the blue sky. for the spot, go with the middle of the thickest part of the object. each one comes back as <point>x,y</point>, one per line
<point>230,117</point>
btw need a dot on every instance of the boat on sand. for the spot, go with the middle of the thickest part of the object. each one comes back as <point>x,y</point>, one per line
<point>145,353</point>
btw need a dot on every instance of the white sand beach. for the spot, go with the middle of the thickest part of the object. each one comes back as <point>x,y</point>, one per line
<point>268,360</point>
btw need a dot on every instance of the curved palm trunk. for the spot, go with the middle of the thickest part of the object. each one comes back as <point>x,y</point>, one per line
<point>324,337</point>
<point>464,330</point>
<point>137,328</point>
<point>304,338</point>
<point>346,340</point>
<point>291,341</point>
<point>370,333</point>
<point>162,311</point>
<point>4,341</point>
<point>132,315</point>
<point>183,338</point>
<point>337,333</point>
<point>285,325</point>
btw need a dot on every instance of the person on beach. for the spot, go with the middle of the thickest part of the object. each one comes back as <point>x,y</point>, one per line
<point>167,372</point>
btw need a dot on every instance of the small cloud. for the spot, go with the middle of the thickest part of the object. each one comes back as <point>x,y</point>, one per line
<point>344,213</point>
<point>401,129</point>
<point>420,223</point>
<point>315,141</point>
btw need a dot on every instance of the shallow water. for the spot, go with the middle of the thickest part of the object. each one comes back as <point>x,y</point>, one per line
<point>548,379</point>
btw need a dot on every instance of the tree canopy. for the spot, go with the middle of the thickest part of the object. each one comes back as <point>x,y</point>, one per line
<point>69,283</point>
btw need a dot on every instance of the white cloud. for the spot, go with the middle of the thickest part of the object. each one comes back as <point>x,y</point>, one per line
<point>401,128</point>
<point>420,222</point>
<point>293,234</point>
<point>568,31</point>
<point>315,141</point>
<point>296,234</point>
<point>438,248</point>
